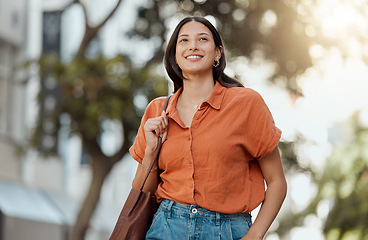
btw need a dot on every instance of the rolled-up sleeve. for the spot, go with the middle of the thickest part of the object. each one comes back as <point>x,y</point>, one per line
<point>153,109</point>
<point>261,135</point>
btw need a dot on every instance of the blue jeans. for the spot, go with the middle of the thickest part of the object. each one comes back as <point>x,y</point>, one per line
<point>191,222</point>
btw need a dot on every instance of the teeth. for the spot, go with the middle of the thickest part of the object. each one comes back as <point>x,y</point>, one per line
<point>193,57</point>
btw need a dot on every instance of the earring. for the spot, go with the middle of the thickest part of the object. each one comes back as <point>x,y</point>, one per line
<point>216,63</point>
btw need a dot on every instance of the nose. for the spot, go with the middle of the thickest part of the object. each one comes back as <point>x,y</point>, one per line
<point>193,45</point>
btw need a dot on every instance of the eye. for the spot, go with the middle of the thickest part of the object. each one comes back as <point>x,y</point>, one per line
<point>183,40</point>
<point>203,39</point>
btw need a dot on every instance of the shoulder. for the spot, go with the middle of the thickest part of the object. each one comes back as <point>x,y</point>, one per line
<point>243,95</point>
<point>157,102</point>
<point>154,108</point>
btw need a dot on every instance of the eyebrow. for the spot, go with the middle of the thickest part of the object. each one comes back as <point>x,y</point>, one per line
<point>199,34</point>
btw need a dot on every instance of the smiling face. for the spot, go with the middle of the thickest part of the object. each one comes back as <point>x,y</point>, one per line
<point>195,49</point>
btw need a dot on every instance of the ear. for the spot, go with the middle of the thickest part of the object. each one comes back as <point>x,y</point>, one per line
<point>218,53</point>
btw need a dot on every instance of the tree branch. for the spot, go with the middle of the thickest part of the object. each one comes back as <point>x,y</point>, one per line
<point>159,54</point>
<point>109,16</point>
<point>125,146</point>
<point>91,32</point>
<point>93,148</point>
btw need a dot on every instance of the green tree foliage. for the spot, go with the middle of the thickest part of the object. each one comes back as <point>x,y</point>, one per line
<point>90,91</point>
<point>343,186</point>
<point>347,176</point>
<point>345,183</point>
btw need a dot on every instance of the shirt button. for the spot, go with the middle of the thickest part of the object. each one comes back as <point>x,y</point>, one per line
<point>194,210</point>
<point>196,117</point>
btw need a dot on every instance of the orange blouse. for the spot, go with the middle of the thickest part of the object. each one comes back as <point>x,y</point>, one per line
<point>214,162</point>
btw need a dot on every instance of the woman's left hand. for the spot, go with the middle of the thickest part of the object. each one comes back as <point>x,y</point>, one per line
<point>248,237</point>
<point>273,174</point>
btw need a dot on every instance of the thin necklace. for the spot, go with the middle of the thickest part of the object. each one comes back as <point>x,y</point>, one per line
<point>196,106</point>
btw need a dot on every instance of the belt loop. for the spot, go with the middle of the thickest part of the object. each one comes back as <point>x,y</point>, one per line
<point>217,218</point>
<point>169,208</point>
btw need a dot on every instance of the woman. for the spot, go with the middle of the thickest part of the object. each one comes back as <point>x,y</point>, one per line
<point>219,145</point>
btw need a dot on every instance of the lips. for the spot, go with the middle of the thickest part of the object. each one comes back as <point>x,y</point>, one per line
<point>193,57</point>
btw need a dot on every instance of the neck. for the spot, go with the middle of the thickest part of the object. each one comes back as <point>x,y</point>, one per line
<point>197,88</point>
<point>197,91</point>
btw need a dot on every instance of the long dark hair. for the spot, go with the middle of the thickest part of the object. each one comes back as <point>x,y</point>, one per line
<point>174,71</point>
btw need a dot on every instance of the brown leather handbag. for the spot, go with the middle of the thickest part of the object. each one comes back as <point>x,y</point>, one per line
<point>136,216</point>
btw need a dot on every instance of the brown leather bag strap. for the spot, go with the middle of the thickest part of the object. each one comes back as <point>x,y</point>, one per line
<point>159,142</point>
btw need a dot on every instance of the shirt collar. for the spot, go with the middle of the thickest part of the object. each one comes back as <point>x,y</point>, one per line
<point>215,99</point>
<point>217,95</point>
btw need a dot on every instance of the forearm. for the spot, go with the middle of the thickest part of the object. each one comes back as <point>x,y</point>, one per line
<point>152,180</point>
<point>274,197</point>
<point>155,130</point>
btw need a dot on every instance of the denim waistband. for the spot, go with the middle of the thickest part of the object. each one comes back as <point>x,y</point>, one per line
<point>197,211</point>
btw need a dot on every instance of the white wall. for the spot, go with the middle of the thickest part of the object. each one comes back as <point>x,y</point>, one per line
<point>12,18</point>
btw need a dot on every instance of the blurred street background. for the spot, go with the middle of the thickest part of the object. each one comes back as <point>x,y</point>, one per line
<point>77,75</point>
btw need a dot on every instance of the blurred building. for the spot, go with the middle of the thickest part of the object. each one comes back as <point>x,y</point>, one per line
<point>39,198</point>
<point>12,93</point>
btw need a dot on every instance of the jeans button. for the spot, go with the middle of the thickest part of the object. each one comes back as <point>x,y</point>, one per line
<point>194,210</point>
